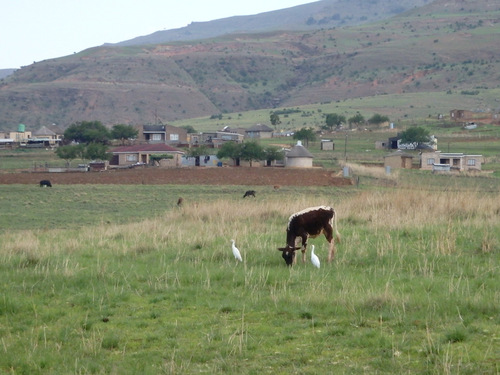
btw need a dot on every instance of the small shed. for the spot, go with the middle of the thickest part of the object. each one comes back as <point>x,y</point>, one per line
<point>298,157</point>
<point>399,159</point>
<point>327,145</point>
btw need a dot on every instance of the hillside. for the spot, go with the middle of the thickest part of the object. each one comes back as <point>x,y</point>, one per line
<point>6,72</point>
<point>440,47</point>
<point>316,15</point>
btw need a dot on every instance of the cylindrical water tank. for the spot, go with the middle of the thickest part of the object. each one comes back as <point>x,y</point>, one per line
<point>21,128</point>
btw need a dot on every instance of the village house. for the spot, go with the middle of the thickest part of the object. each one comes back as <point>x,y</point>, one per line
<point>166,134</point>
<point>215,139</point>
<point>399,159</point>
<point>48,136</point>
<point>143,154</point>
<point>460,115</point>
<point>465,116</point>
<point>382,145</point>
<point>259,131</point>
<point>441,161</point>
<point>21,136</point>
<point>394,143</point>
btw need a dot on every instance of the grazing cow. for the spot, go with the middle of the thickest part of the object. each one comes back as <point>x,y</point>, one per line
<point>249,193</point>
<point>277,187</point>
<point>45,183</point>
<point>310,222</point>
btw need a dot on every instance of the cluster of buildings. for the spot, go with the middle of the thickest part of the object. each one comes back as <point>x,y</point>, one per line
<point>165,140</point>
<point>430,158</point>
<point>154,140</point>
<point>168,140</point>
<point>46,136</point>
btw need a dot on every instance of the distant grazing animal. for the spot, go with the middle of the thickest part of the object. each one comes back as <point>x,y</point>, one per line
<point>277,187</point>
<point>249,193</point>
<point>45,183</point>
<point>180,201</point>
<point>310,222</point>
<point>314,258</point>
<point>236,252</point>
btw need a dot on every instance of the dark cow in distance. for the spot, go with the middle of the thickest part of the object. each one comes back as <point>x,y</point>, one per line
<point>249,193</point>
<point>45,183</point>
<point>310,222</point>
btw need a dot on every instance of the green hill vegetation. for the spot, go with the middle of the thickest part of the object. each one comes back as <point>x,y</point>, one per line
<point>423,62</point>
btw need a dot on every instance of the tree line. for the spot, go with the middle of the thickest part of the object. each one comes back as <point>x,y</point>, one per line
<point>90,140</point>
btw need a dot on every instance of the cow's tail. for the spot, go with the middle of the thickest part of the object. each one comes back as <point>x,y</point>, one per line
<point>334,220</point>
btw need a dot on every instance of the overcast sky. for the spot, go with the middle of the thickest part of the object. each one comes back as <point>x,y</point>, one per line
<point>36,30</point>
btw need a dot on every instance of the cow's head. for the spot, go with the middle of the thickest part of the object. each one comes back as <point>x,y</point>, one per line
<point>288,254</point>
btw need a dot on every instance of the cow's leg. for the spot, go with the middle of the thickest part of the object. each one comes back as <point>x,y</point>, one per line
<point>304,247</point>
<point>294,253</point>
<point>328,231</point>
<point>331,251</point>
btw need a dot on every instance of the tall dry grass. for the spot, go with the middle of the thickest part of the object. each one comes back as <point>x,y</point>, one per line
<point>374,172</point>
<point>200,223</point>
<point>395,223</point>
<point>399,208</point>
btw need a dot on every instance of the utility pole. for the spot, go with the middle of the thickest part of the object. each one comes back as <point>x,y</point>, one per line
<point>345,147</point>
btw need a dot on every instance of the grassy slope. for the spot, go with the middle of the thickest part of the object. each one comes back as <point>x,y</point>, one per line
<point>95,283</point>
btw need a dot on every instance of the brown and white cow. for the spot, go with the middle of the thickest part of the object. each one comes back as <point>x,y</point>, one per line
<point>310,222</point>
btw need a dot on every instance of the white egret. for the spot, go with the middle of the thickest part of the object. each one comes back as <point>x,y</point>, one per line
<point>236,252</point>
<point>314,258</point>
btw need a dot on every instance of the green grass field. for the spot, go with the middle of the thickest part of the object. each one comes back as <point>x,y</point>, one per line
<point>100,280</point>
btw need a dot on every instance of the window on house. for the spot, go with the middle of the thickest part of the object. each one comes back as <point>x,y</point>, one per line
<point>156,137</point>
<point>174,137</point>
<point>430,161</point>
<point>132,157</point>
<point>471,162</point>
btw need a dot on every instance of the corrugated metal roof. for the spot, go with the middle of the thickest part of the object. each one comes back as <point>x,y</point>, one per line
<point>400,153</point>
<point>154,147</point>
<point>154,128</point>
<point>259,128</point>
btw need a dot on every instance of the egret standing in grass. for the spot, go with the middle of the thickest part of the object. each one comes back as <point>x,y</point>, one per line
<point>314,258</point>
<point>236,252</point>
